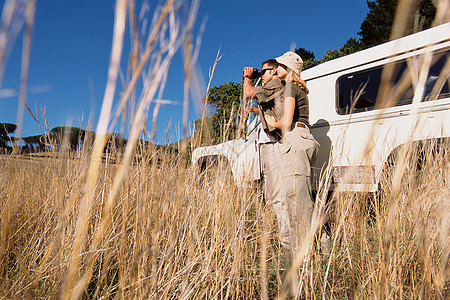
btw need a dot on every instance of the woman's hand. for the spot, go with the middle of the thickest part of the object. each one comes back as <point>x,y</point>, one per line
<point>270,120</point>
<point>286,120</point>
<point>252,109</point>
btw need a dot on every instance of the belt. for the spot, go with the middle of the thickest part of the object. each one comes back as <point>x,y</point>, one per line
<point>300,125</point>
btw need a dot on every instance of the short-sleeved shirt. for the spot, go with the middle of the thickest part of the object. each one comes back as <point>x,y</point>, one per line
<point>301,111</point>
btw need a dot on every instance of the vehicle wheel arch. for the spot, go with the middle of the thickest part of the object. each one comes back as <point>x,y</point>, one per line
<point>422,153</point>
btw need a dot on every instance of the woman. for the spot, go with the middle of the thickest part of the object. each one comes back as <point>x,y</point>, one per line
<point>298,148</point>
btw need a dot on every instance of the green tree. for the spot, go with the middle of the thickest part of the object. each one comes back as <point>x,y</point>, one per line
<point>6,130</point>
<point>376,27</point>
<point>308,57</point>
<point>352,45</point>
<point>75,136</point>
<point>331,54</point>
<point>115,141</point>
<point>34,141</point>
<point>224,100</point>
<point>427,12</point>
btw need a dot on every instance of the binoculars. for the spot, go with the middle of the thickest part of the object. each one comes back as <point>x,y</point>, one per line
<point>256,73</point>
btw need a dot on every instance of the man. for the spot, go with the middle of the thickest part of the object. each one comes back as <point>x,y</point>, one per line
<point>270,102</point>
<point>266,94</point>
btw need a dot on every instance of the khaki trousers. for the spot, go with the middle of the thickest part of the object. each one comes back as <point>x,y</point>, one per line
<point>273,189</point>
<point>298,152</point>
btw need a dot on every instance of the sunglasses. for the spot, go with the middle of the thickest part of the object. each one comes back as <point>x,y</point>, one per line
<point>265,69</point>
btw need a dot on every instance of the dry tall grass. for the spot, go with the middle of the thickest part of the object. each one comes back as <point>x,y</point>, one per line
<point>175,235</point>
<point>169,236</point>
<point>150,226</point>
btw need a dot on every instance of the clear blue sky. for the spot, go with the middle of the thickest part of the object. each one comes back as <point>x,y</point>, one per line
<point>72,39</point>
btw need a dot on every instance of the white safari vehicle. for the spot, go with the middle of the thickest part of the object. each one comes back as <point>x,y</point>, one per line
<point>358,124</point>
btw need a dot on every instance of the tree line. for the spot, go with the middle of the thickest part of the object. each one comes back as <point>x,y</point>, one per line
<point>224,100</point>
<point>73,138</point>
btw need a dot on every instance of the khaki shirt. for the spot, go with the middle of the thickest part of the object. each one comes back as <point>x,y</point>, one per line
<point>271,102</point>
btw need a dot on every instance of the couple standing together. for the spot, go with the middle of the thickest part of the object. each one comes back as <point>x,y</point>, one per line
<point>287,148</point>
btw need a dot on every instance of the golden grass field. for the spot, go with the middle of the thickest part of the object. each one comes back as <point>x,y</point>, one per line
<point>173,234</point>
<point>96,224</point>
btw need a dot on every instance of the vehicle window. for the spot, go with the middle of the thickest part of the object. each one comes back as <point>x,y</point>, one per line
<point>360,91</point>
<point>437,85</point>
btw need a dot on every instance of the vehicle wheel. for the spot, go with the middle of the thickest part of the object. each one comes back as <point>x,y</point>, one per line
<point>421,162</point>
<point>215,173</point>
